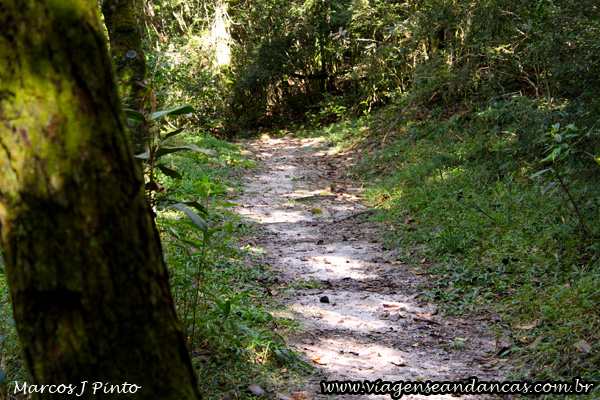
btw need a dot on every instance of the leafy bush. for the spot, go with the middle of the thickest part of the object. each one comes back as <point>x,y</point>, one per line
<point>499,230</point>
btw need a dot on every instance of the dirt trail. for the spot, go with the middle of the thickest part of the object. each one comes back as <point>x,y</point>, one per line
<point>366,320</point>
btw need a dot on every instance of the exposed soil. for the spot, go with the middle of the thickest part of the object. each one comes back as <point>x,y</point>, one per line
<point>366,320</point>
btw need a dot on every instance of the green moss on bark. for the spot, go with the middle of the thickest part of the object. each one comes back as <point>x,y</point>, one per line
<point>83,261</point>
<point>126,47</point>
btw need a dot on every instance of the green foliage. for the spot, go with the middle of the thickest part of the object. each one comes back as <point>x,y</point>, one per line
<point>213,287</point>
<point>183,65</point>
<point>284,61</point>
<point>293,60</point>
<point>221,290</point>
<point>436,52</point>
<point>501,202</point>
<point>155,144</point>
<point>569,151</point>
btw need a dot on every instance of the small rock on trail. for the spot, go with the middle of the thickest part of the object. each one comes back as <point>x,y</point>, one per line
<point>362,316</point>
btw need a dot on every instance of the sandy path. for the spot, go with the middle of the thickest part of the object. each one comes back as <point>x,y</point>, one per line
<point>366,321</point>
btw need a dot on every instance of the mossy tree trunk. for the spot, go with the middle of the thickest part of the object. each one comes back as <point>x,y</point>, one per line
<point>87,280</point>
<point>122,21</point>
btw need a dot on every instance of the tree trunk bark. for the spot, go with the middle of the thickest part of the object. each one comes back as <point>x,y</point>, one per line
<point>122,21</point>
<point>84,265</point>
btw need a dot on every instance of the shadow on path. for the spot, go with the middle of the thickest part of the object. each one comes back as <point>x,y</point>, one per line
<point>366,320</point>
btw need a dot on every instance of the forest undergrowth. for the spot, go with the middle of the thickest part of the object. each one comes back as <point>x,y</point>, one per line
<point>222,291</point>
<point>500,204</point>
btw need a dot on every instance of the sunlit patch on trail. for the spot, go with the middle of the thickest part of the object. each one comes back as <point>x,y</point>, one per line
<point>356,304</point>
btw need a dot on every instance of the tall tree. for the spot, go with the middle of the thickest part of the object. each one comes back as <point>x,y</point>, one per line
<point>84,265</point>
<point>122,20</point>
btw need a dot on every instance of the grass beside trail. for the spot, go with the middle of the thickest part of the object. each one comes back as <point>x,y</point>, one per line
<point>503,221</point>
<point>223,290</point>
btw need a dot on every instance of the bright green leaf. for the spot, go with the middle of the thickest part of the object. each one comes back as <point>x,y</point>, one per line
<point>173,111</point>
<point>168,150</point>
<point>226,309</point>
<point>170,172</point>
<point>226,204</point>
<point>539,173</point>
<point>196,205</point>
<point>134,115</point>
<point>191,214</point>
<point>556,152</point>
<point>208,152</point>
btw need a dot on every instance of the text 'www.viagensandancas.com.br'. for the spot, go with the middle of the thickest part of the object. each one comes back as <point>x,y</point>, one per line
<point>470,386</point>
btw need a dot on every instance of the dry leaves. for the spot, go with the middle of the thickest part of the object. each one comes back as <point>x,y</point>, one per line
<point>584,346</point>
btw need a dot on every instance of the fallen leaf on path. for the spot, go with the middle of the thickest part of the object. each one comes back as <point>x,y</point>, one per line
<point>256,390</point>
<point>535,343</point>
<point>584,346</point>
<point>503,344</point>
<point>528,326</point>
<point>300,396</point>
<point>399,363</point>
<point>395,317</point>
<point>281,396</point>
